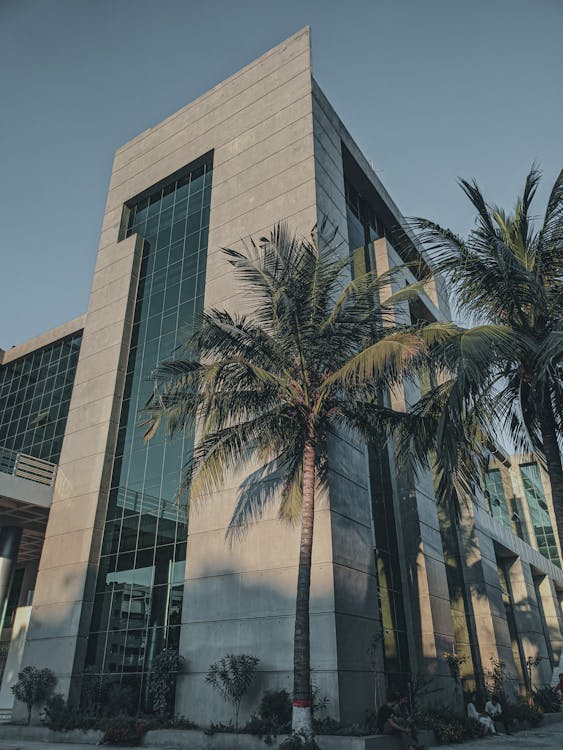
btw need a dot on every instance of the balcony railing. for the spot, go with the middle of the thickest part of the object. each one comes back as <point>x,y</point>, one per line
<point>27,467</point>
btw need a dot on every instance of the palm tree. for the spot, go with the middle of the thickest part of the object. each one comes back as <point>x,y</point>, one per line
<point>271,388</point>
<point>507,371</point>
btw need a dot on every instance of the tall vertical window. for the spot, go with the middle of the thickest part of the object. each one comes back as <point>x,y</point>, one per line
<point>362,222</point>
<point>362,230</point>
<point>390,588</point>
<point>539,512</point>
<point>35,393</point>
<point>496,497</point>
<point>138,600</point>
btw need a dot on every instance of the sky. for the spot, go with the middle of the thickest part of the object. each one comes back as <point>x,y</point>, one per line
<point>431,90</point>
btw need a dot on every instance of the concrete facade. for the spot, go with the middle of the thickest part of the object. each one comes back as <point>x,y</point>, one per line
<point>280,153</point>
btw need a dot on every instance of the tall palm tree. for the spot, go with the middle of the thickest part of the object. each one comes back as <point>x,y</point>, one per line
<point>508,276</point>
<point>271,388</point>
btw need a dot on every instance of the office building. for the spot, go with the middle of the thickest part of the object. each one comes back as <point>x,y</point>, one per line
<point>99,568</point>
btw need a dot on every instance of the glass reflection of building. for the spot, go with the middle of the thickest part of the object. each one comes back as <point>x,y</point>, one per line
<point>496,498</point>
<point>539,512</point>
<point>138,600</point>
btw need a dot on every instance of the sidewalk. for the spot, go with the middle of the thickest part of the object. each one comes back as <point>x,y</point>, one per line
<point>549,737</point>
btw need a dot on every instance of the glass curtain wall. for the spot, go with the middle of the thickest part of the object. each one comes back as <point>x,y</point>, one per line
<point>389,582</point>
<point>539,512</point>
<point>138,600</point>
<point>496,497</point>
<point>35,393</point>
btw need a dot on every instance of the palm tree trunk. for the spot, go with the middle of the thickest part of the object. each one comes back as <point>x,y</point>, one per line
<point>302,719</point>
<point>553,464</point>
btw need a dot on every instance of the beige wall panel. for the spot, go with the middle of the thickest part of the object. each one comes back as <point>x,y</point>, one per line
<point>67,548</point>
<point>120,269</point>
<point>60,585</point>
<point>267,138</point>
<point>74,514</point>
<point>199,139</point>
<point>268,544</point>
<point>105,360</point>
<point>65,578</point>
<point>47,622</point>
<point>90,414</point>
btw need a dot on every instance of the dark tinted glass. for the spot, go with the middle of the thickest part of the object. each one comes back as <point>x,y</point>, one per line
<point>34,398</point>
<point>141,574</point>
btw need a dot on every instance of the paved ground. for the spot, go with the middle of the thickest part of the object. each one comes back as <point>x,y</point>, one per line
<point>544,738</point>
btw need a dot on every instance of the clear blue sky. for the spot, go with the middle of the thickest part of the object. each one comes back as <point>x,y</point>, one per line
<point>430,89</point>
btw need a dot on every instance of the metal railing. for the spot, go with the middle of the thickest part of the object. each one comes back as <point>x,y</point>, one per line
<point>27,467</point>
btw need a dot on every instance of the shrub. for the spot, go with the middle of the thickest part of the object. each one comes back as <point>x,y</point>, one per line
<point>91,695</point>
<point>219,728</point>
<point>275,709</point>
<point>547,699</point>
<point>299,741</point>
<point>180,722</point>
<point>521,711</point>
<point>162,681</point>
<point>60,717</point>
<point>124,730</point>
<point>495,675</point>
<point>448,727</point>
<point>231,676</point>
<point>273,717</point>
<point>118,700</point>
<point>33,687</point>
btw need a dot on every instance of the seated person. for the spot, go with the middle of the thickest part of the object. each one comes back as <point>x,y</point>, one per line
<point>387,722</point>
<point>404,715</point>
<point>486,722</point>
<point>494,709</point>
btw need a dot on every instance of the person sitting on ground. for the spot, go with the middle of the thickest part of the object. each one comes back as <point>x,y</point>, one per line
<point>486,722</point>
<point>387,721</point>
<point>494,709</point>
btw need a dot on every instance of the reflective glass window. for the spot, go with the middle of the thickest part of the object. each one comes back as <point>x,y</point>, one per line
<point>141,573</point>
<point>539,512</point>
<point>35,395</point>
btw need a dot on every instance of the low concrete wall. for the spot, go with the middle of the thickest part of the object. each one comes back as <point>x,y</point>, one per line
<point>43,734</point>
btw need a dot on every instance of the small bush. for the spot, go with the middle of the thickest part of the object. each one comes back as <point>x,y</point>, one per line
<point>298,741</point>
<point>220,728</point>
<point>124,730</point>
<point>60,717</point>
<point>180,722</point>
<point>547,699</point>
<point>447,727</point>
<point>520,711</point>
<point>162,681</point>
<point>91,695</point>
<point>118,700</point>
<point>232,676</point>
<point>34,686</point>
<point>275,709</point>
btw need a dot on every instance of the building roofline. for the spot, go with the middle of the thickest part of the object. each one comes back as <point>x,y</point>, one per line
<point>306,30</point>
<point>43,339</point>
